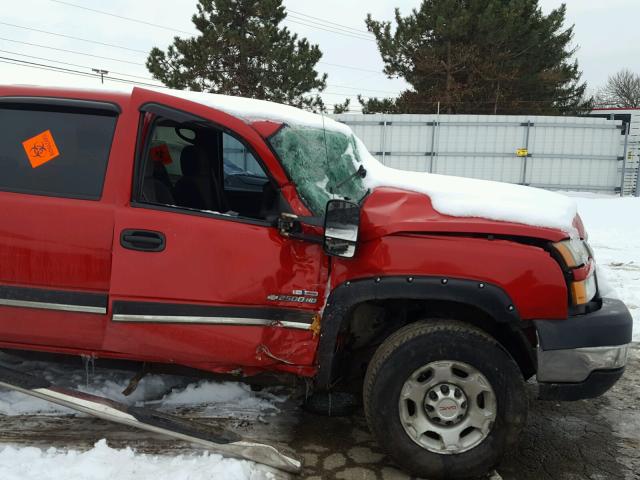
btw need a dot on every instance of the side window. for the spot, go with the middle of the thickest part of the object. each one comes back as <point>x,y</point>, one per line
<point>196,166</point>
<point>52,151</point>
<point>239,160</point>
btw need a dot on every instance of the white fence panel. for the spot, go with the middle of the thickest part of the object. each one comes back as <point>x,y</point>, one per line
<point>578,153</point>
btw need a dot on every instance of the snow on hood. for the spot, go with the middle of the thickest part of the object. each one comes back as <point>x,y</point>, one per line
<point>469,197</point>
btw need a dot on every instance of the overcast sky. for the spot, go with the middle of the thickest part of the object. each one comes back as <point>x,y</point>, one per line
<point>605,34</point>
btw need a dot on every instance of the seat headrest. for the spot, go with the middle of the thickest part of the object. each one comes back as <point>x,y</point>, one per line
<point>190,161</point>
<point>149,168</point>
<point>154,168</point>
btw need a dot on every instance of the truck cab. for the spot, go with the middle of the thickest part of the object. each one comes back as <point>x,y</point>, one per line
<point>239,236</point>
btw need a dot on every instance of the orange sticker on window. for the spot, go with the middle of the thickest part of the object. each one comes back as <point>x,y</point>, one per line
<point>40,149</point>
<point>160,153</point>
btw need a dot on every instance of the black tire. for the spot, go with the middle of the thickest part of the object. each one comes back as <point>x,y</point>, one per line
<point>418,344</point>
<point>331,404</point>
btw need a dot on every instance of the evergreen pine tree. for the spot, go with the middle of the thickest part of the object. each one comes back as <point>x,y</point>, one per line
<point>480,56</point>
<point>241,49</point>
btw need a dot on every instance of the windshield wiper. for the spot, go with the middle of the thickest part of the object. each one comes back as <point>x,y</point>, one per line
<point>366,194</point>
<point>361,172</point>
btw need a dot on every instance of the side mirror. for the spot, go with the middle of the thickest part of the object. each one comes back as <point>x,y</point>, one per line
<point>341,225</point>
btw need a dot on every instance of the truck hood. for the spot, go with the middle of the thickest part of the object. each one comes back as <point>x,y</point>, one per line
<point>442,203</point>
<point>390,210</point>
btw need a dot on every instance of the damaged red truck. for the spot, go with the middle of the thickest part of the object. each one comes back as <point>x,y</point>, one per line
<point>161,227</point>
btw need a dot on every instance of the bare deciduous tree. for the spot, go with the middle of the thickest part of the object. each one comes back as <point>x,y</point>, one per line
<point>621,90</point>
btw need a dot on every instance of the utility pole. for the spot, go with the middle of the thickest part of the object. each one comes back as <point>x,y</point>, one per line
<point>101,72</point>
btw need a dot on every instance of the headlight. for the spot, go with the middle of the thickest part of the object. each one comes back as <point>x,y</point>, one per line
<point>577,256</point>
<point>575,253</point>
<point>582,292</point>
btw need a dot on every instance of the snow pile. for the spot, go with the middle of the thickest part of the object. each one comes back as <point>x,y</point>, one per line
<point>163,392</point>
<point>14,403</point>
<point>105,463</point>
<point>237,394</point>
<point>469,197</point>
<point>613,226</point>
<point>104,383</point>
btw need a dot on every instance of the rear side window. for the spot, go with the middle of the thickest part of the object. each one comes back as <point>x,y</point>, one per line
<point>60,152</point>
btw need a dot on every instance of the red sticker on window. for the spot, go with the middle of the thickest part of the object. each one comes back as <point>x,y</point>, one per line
<point>160,153</point>
<point>40,149</point>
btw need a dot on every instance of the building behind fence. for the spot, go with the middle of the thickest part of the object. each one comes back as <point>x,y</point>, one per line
<point>563,153</point>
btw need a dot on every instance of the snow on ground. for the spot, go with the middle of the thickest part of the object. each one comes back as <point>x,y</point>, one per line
<point>613,226</point>
<point>105,463</point>
<point>238,395</point>
<point>163,392</point>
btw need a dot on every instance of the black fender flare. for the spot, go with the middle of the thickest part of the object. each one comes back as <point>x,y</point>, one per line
<point>487,297</point>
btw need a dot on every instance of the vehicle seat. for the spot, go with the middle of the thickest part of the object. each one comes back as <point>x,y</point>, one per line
<point>195,189</point>
<point>269,207</point>
<point>155,190</point>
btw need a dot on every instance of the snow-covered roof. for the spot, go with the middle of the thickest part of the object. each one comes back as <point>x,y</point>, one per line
<point>250,109</point>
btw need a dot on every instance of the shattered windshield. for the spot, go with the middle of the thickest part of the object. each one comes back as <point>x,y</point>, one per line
<point>323,164</point>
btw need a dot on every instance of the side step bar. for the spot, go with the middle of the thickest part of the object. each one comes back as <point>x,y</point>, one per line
<point>222,441</point>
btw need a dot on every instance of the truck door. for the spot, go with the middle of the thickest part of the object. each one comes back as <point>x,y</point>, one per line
<point>200,275</point>
<point>56,221</point>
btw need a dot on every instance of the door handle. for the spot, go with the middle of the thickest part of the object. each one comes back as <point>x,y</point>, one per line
<point>143,240</point>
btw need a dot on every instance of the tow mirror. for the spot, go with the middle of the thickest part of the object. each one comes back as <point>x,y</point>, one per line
<point>341,225</point>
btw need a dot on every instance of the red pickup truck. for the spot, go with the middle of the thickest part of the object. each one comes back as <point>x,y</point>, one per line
<point>237,236</point>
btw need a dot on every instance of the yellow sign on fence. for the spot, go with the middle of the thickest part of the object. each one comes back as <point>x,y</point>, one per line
<point>522,152</point>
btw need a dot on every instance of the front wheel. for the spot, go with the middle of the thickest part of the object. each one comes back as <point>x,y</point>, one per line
<point>444,399</point>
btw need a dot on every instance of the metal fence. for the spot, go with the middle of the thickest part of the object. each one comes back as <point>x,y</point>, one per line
<point>631,120</point>
<point>564,153</point>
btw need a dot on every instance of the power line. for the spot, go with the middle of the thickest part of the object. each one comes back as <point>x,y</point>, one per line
<point>74,38</point>
<point>326,28</point>
<point>357,30</point>
<point>122,17</point>
<point>165,27</point>
<point>73,64</point>
<point>20,63</point>
<point>24,63</point>
<point>101,57</point>
<point>71,51</point>
<point>136,63</point>
<point>105,58</point>
<point>42,66</point>
<point>352,67</point>
<point>152,79</point>
<point>131,49</point>
<point>16,61</point>
<point>337,85</point>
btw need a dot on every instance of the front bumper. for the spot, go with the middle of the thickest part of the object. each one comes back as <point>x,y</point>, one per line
<point>583,356</point>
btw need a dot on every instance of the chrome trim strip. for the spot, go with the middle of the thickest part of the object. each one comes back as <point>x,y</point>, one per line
<point>52,306</point>
<point>301,326</point>
<point>122,317</point>
<point>575,365</point>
